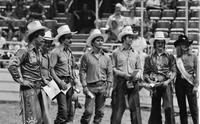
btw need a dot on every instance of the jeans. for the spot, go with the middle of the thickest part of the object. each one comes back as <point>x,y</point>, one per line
<point>183,90</point>
<point>166,94</point>
<point>119,105</point>
<point>98,102</point>
<point>64,107</point>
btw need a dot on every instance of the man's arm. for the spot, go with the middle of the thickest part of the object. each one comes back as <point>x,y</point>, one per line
<point>82,71</point>
<point>15,63</point>
<point>53,61</point>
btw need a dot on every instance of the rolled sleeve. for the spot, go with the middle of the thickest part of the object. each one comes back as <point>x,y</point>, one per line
<point>53,59</point>
<point>83,70</point>
<point>15,63</point>
<point>110,71</point>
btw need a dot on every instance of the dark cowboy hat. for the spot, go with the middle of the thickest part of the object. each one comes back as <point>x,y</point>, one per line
<point>182,39</point>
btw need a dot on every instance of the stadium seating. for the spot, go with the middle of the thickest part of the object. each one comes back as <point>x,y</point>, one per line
<point>181,4</point>
<point>174,35</point>
<point>193,26</point>
<point>168,14</point>
<point>178,26</point>
<point>154,14</point>
<point>180,14</point>
<point>194,36</point>
<point>163,25</point>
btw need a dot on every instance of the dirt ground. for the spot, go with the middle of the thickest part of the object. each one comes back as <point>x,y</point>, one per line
<point>9,114</point>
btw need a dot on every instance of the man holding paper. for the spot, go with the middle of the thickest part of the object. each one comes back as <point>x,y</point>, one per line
<point>96,77</point>
<point>62,64</point>
<point>187,83</point>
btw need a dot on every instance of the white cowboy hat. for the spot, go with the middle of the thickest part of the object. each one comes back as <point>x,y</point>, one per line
<point>95,33</point>
<point>62,30</point>
<point>126,31</point>
<point>48,35</point>
<point>34,26</point>
<point>159,36</point>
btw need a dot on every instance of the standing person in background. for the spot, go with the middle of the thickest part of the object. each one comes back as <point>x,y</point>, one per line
<point>127,71</point>
<point>159,72</point>
<point>62,66</point>
<point>45,71</point>
<point>187,82</point>
<point>25,70</point>
<point>96,78</point>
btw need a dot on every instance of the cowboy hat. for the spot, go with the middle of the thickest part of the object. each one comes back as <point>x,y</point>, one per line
<point>159,36</point>
<point>95,33</point>
<point>126,31</point>
<point>182,39</point>
<point>34,26</point>
<point>48,36</point>
<point>62,30</point>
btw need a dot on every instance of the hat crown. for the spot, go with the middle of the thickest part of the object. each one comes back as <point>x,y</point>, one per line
<point>48,34</point>
<point>64,28</point>
<point>95,32</point>
<point>159,35</point>
<point>128,30</point>
<point>34,25</point>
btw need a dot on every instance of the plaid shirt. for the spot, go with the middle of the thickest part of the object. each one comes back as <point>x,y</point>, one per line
<point>27,60</point>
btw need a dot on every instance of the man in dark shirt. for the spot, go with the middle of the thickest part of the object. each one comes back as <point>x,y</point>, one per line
<point>25,69</point>
<point>187,83</point>
<point>159,72</point>
<point>62,66</point>
<point>96,78</point>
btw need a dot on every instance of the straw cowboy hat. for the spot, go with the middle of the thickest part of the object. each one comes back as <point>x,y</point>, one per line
<point>64,29</point>
<point>182,39</point>
<point>48,36</point>
<point>95,33</point>
<point>126,31</point>
<point>159,36</point>
<point>34,26</point>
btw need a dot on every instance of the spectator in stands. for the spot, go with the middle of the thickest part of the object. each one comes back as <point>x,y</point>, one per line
<point>21,33</point>
<point>85,19</point>
<point>116,16</point>
<point>159,73</point>
<point>7,13</point>
<point>153,4</point>
<point>2,39</point>
<point>20,12</point>
<point>29,77</point>
<point>187,82</point>
<point>36,11</point>
<point>126,72</point>
<point>113,31</point>
<point>132,20</point>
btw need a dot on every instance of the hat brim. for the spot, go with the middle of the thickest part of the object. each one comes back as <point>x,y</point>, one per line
<point>179,42</point>
<point>63,33</point>
<point>125,33</point>
<point>151,41</point>
<point>91,37</point>
<point>39,28</point>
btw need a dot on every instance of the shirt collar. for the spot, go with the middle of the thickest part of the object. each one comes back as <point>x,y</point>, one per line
<point>122,48</point>
<point>164,53</point>
<point>101,52</point>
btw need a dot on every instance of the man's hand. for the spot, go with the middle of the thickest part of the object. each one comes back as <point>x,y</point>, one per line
<point>27,83</point>
<point>139,75</point>
<point>63,85</point>
<point>165,83</point>
<point>195,89</point>
<point>87,92</point>
<point>127,76</point>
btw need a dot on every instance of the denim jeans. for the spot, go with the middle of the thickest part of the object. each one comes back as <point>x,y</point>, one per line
<point>119,105</point>
<point>64,105</point>
<point>183,90</point>
<point>98,102</point>
<point>166,94</point>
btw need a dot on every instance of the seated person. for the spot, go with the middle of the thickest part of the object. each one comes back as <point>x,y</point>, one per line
<point>36,11</point>
<point>132,20</point>
<point>20,12</point>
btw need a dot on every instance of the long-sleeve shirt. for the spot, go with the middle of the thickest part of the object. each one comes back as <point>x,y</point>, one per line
<point>45,67</point>
<point>95,68</point>
<point>125,61</point>
<point>25,64</point>
<point>163,64</point>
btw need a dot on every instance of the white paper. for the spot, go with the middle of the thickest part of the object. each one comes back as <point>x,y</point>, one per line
<point>68,87</point>
<point>52,89</point>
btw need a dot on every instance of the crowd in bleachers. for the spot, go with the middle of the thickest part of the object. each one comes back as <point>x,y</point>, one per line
<point>159,15</point>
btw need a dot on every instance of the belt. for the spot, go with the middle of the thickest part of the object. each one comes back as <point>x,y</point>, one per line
<point>98,83</point>
<point>35,85</point>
